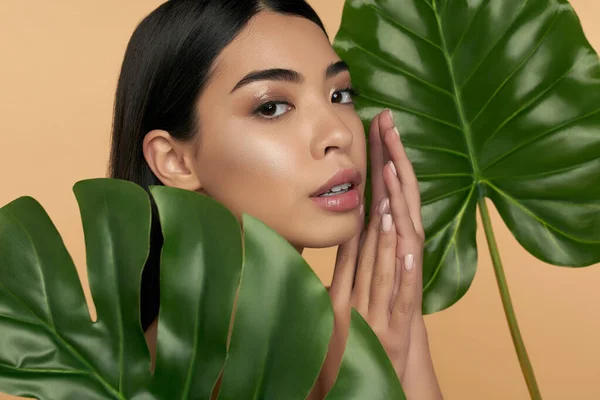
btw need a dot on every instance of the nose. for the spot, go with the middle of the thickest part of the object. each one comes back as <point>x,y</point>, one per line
<point>331,135</point>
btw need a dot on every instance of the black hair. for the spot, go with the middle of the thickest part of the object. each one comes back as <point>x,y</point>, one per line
<point>167,64</point>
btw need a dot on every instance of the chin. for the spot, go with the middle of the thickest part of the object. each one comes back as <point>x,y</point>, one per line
<point>327,232</point>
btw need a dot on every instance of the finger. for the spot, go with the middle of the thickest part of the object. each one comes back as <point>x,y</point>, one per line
<point>344,271</point>
<point>376,163</point>
<point>400,212</point>
<point>382,282</point>
<point>364,272</point>
<point>361,240</point>
<point>386,122</point>
<point>404,304</point>
<point>407,177</point>
<point>409,241</point>
<point>362,230</point>
<point>418,259</point>
<point>398,273</point>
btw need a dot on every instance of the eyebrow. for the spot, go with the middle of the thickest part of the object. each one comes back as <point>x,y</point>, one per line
<point>288,75</point>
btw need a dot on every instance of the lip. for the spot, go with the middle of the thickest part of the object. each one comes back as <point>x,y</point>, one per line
<point>347,175</point>
<point>339,203</point>
<point>342,202</point>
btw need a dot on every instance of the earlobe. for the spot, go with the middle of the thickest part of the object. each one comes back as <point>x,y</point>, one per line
<point>171,161</point>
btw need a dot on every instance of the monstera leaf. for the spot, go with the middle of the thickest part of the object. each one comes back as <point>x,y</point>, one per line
<point>493,98</point>
<point>497,99</point>
<point>50,349</point>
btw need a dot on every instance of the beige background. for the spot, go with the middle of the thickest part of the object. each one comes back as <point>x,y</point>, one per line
<point>59,62</point>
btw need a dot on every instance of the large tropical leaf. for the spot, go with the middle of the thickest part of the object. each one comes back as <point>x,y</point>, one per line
<point>201,265</point>
<point>497,99</point>
<point>283,322</point>
<point>50,349</point>
<point>366,371</point>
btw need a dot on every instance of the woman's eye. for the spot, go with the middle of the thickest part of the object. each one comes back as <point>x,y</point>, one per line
<point>344,96</point>
<point>273,110</point>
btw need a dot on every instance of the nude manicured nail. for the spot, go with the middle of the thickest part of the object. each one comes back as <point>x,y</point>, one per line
<point>386,222</point>
<point>362,210</point>
<point>391,114</point>
<point>384,206</point>
<point>409,262</point>
<point>393,167</point>
<point>396,130</point>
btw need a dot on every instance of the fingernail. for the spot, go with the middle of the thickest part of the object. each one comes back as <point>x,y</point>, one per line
<point>384,206</point>
<point>362,210</point>
<point>409,262</point>
<point>391,114</point>
<point>386,222</point>
<point>396,130</point>
<point>393,167</point>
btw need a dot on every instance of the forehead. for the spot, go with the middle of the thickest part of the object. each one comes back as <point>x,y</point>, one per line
<point>271,40</point>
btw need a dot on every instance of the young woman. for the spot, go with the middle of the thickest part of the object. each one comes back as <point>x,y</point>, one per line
<point>246,101</point>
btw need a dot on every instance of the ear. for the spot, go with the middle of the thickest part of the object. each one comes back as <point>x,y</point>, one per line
<point>172,161</point>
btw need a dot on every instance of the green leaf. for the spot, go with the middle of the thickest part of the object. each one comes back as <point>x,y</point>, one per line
<point>283,322</point>
<point>201,264</point>
<point>49,347</point>
<point>366,371</point>
<point>497,99</point>
<point>116,224</point>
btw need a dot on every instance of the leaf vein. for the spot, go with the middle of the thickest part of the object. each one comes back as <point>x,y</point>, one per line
<point>518,68</point>
<point>397,69</point>
<point>460,40</point>
<point>530,103</point>
<point>508,29</point>
<point>534,216</point>
<point>545,173</point>
<point>442,197</point>
<point>19,320</point>
<point>403,27</point>
<point>44,371</point>
<point>465,127</point>
<point>542,135</point>
<point>438,149</point>
<point>110,250</point>
<point>40,268</point>
<point>458,221</point>
<point>555,243</point>
<point>410,111</point>
<point>50,327</point>
<point>450,175</point>
<point>428,3</point>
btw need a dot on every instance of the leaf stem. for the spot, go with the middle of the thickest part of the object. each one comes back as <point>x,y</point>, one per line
<point>509,311</point>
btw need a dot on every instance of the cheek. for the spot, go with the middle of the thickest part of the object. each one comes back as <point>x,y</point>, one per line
<point>247,172</point>
<point>359,144</point>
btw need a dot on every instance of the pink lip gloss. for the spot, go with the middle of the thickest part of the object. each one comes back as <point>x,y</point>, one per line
<point>340,202</point>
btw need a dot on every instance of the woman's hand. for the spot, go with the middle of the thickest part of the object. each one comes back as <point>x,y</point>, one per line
<point>379,271</point>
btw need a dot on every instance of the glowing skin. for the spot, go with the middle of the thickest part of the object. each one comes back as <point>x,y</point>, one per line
<point>268,163</point>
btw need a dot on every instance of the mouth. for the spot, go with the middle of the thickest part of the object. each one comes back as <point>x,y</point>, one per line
<point>340,193</point>
<point>341,182</point>
<point>337,190</point>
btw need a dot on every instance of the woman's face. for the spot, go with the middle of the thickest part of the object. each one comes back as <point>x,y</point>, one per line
<point>269,142</point>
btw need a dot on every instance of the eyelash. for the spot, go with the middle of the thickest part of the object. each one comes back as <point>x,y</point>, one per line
<point>354,92</point>
<point>351,90</point>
